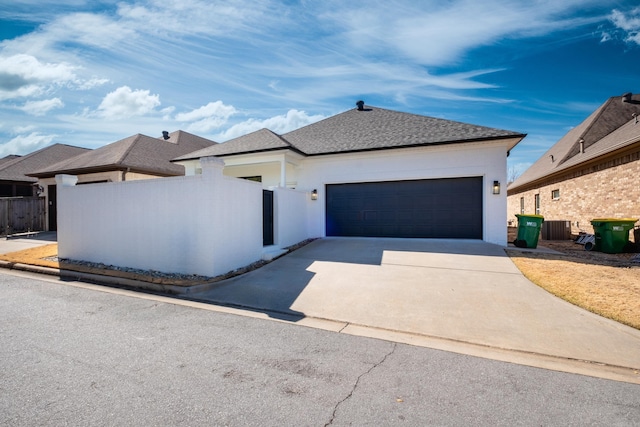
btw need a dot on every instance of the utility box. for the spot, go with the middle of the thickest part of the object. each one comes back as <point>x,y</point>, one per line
<point>556,230</point>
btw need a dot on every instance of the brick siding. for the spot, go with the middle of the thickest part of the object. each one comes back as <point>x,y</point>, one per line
<point>610,189</point>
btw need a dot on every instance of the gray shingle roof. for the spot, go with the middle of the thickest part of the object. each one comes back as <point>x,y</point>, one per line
<point>625,136</point>
<point>15,169</point>
<point>260,140</point>
<point>355,130</point>
<point>8,158</point>
<point>378,128</point>
<point>600,134</point>
<point>139,153</point>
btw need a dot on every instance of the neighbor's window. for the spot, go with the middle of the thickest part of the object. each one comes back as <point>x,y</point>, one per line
<point>521,205</point>
<point>537,204</point>
<point>555,194</point>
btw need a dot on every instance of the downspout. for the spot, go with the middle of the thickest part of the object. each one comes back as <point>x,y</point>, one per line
<point>124,174</point>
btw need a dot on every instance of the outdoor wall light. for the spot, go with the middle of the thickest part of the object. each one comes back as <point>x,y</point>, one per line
<point>496,187</point>
<point>314,194</point>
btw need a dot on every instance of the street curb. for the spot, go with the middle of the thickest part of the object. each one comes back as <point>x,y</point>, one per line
<point>99,279</point>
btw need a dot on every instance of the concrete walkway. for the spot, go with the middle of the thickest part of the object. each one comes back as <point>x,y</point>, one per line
<point>463,296</point>
<point>15,244</point>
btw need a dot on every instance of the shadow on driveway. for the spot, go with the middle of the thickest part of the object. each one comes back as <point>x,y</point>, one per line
<point>274,288</point>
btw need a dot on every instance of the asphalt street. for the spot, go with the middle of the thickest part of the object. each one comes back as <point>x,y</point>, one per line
<point>72,354</point>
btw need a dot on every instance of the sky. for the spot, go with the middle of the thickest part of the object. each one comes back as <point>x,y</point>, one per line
<point>89,73</point>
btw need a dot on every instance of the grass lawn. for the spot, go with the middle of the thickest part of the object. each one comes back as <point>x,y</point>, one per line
<point>605,284</point>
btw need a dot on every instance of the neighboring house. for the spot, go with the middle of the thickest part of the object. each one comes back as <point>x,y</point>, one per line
<point>382,173</point>
<point>134,158</point>
<point>592,172</point>
<point>14,181</point>
<point>21,210</point>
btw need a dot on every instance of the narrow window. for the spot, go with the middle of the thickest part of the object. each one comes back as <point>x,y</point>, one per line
<point>555,194</point>
<point>252,178</point>
<point>537,203</point>
<point>521,205</point>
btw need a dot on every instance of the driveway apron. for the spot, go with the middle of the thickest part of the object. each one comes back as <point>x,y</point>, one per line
<point>463,290</point>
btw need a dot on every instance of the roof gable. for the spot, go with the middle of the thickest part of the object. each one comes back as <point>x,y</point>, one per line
<point>626,135</point>
<point>603,131</point>
<point>615,112</point>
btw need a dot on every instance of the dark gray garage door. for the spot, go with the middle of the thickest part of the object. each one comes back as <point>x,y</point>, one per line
<point>433,208</point>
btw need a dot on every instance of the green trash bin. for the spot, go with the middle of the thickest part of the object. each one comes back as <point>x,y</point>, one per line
<point>528,230</point>
<point>612,234</point>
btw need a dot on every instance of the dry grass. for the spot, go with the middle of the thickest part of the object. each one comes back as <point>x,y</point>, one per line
<point>34,256</point>
<point>605,284</point>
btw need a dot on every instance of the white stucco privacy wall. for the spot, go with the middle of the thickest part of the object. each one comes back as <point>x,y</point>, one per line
<point>206,224</point>
<point>485,159</point>
<point>290,218</point>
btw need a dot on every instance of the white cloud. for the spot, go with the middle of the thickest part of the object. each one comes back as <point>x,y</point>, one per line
<point>25,144</point>
<point>167,112</point>
<point>629,23</point>
<point>24,75</point>
<point>91,83</point>
<point>440,33</point>
<point>124,102</point>
<point>23,129</point>
<point>211,17</point>
<point>294,119</point>
<point>90,29</point>
<point>29,68</point>
<point>40,108</point>
<point>208,117</point>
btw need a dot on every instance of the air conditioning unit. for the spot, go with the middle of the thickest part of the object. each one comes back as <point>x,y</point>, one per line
<point>556,230</point>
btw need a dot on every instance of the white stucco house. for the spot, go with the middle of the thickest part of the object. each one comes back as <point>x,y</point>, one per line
<point>382,173</point>
<point>368,172</point>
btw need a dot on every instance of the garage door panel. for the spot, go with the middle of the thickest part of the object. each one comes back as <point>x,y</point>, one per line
<point>441,208</point>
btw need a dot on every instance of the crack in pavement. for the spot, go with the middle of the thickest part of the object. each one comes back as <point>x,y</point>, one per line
<point>355,385</point>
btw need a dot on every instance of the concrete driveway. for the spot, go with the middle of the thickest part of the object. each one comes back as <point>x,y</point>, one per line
<point>465,291</point>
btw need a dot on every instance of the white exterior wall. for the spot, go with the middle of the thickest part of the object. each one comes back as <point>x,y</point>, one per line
<point>486,159</point>
<point>290,218</point>
<point>110,176</point>
<point>206,224</point>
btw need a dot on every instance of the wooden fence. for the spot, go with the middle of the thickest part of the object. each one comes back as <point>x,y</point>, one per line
<point>22,215</point>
